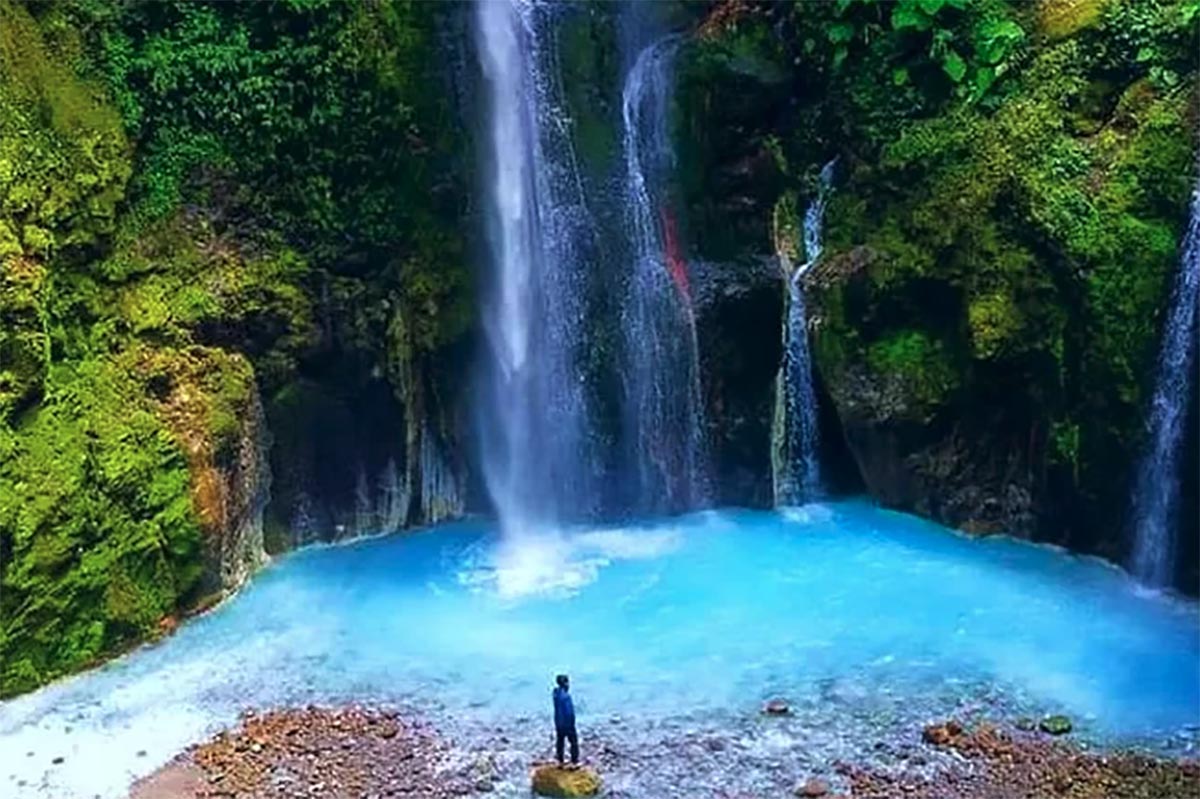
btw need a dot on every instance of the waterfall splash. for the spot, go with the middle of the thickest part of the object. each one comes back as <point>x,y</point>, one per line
<point>663,405</point>
<point>796,461</point>
<point>1156,494</point>
<point>533,430</point>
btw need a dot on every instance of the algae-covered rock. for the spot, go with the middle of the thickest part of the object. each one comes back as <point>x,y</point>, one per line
<point>1058,19</point>
<point>1056,725</point>
<point>557,781</point>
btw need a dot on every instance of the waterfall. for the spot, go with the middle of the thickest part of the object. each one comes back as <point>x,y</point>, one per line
<point>662,398</point>
<point>796,459</point>
<point>1156,492</point>
<point>533,408</point>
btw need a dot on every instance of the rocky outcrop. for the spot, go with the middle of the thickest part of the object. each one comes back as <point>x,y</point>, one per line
<point>904,402</point>
<point>209,400</point>
<point>739,308</point>
<point>241,489</point>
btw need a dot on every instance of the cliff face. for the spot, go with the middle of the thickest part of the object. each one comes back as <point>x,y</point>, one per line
<point>215,220</point>
<point>1006,214</point>
<point>209,401</point>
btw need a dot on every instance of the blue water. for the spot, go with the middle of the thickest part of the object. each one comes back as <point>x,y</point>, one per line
<point>866,620</point>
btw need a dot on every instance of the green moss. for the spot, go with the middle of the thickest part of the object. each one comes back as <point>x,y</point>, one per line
<point>64,160</point>
<point>96,515</point>
<point>919,361</point>
<point>24,344</point>
<point>588,52</point>
<point>994,321</point>
<point>1064,444</point>
<point>1058,19</point>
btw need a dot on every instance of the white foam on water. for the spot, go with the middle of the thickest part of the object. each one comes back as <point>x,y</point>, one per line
<point>559,563</point>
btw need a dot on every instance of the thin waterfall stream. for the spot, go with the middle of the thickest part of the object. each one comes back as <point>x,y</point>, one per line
<point>1156,492</point>
<point>796,457</point>
<point>664,413</point>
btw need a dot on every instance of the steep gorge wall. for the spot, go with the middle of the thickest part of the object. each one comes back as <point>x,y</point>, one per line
<point>1011,189</point>
<point>218,222</point>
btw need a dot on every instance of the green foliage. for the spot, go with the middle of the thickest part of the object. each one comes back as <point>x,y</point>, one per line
<point>589,53</point>
<point>64,160</point>
<point>930,44</point>
<point>24,344</point>
<point>1064,444</point>
<point>1154,37</point>
<point>325,108</point>
<point>294,161</point>
<point>994,321</point>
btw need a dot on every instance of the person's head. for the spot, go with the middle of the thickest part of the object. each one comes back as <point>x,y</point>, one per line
<point>563,681</point>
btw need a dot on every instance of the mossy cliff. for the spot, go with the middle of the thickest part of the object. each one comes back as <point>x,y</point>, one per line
<point>215,219</point>
<point>1010,192</point>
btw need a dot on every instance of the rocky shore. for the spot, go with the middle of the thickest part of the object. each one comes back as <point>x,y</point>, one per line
<point>1011,763</point>
<point>374,753</point>
<point>313,752</point>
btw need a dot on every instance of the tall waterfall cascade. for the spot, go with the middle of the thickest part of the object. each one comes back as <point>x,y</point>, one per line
<point>1156,491</point>
<point>795,436</point>
<point>663,408</point>
<point>533,417</point>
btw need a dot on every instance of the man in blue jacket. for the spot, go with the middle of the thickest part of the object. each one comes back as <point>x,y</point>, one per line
<point>564,720</point>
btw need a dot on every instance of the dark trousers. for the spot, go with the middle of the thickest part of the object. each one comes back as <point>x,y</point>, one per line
<point>567,734</point>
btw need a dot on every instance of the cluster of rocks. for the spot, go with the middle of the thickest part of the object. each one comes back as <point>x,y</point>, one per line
<point>313,752</point>
<point>372,754</point>
<point>1003,763</point>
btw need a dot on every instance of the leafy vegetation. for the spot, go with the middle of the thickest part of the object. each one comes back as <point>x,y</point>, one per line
<point>1012,184</point>
<point>186,189</point>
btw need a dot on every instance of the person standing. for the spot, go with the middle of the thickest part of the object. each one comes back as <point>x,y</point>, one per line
<point>564,720</point>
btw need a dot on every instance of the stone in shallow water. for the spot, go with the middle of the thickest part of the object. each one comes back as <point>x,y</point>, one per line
<point>555,781</point>
<point>813,788</point>
<point>1056,725</point>
<point>942,734</point>
<point>777,707</point>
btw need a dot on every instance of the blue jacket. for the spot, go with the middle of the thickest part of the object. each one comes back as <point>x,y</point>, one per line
<point>564,710</point>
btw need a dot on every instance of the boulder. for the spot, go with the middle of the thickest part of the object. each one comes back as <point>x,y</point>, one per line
<point>776,707</point>
<point>813,788</point>
<point>942,734</point>
<point>1056,725</point>
<point>556,781</point>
